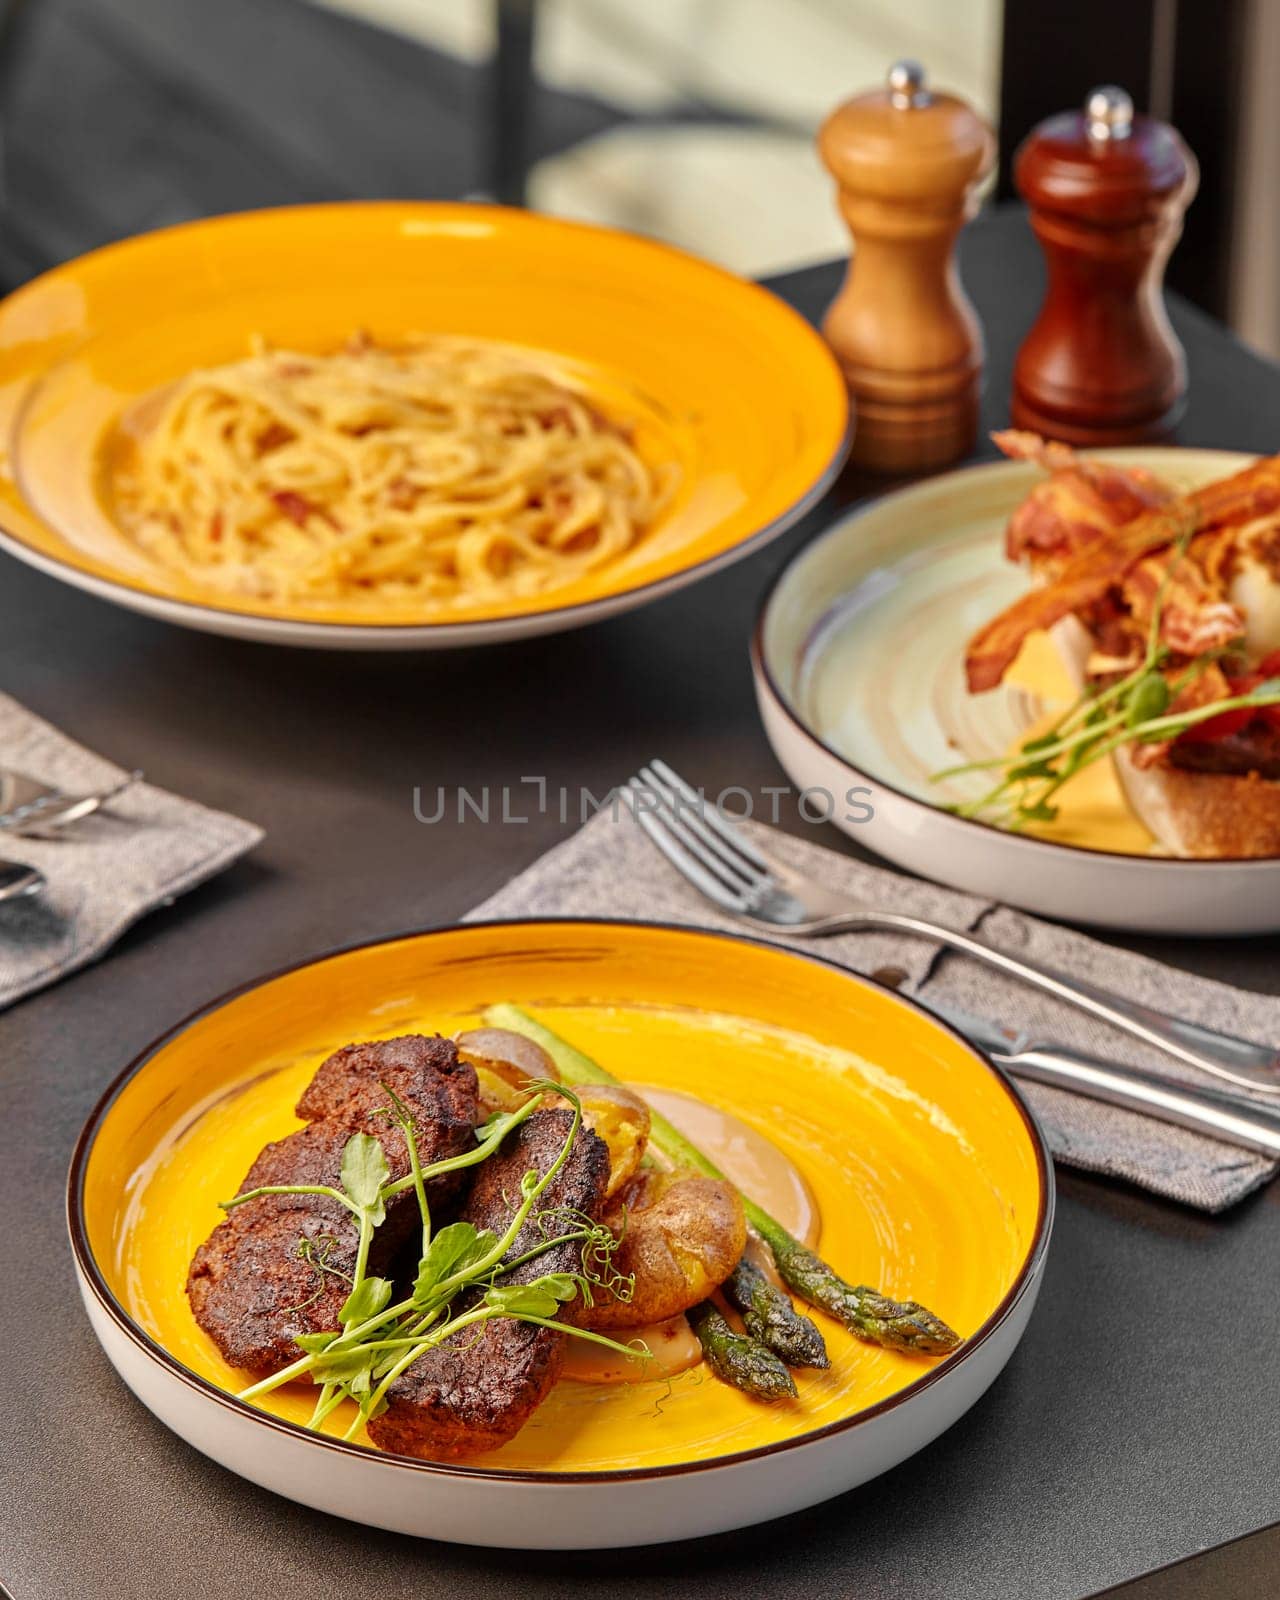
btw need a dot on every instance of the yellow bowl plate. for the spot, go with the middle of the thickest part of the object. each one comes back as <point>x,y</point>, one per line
<point>929,1174</point>
<point>721,376</point>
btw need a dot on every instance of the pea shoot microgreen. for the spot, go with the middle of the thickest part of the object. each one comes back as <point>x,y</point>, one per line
<point>315,1252</point>
<point>463,1273</point>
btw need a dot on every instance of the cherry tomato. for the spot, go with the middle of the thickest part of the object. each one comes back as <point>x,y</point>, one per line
<point>1226,722</point>
<point>1220,727</point>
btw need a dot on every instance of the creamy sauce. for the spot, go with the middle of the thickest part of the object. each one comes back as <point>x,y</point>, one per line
<point>672,1346</point>
<point>751,1160</point>
<point>761,1170</point>
<point>1092,811</point>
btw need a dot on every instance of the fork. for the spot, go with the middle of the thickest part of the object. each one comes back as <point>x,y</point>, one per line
<point>741,878</point>
<point>33,809</point>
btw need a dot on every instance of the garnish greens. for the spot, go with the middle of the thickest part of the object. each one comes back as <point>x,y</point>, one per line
<point>1133,709</point>
<point>463,1271</point>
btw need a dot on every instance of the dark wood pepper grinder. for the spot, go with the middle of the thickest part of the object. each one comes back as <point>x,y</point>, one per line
<point>1107,191</point>
<point>908,163</point>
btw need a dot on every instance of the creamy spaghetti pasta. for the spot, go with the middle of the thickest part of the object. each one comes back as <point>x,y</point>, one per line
<point>439,470</point>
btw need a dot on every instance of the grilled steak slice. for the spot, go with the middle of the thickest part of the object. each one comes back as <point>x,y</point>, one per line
<point>254,1284</point>
<point>427,1074</point>
<point>478,1389</point>
<point>280,1265</point>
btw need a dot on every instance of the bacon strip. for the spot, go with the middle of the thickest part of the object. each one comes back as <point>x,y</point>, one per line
<point>1021,445</point>
<point>1194,617</point>
<point>294,506</point>
<point>1078,505</point>
<point>1106,562</point>
<point>298,508</point>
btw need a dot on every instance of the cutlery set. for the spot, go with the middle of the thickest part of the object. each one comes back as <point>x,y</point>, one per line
<point>738,876</point>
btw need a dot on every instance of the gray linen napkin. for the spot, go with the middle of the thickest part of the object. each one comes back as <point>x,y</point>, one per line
<point>141,851</point>
<point>609,869</point>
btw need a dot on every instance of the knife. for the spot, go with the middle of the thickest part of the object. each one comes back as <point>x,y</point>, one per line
<point>1230,1118</point>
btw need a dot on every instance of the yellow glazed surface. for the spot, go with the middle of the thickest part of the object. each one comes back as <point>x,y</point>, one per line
<point>717,374</point>
<point>922,1166</point>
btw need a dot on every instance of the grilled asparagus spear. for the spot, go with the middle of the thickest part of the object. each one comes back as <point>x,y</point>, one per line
<point>738,1360</point>
<point>771,1319</point>
<point>897,1325</point>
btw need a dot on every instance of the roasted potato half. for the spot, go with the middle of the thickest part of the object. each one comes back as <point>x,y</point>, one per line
<point>621,1119</point>
<point>681,1235</point>
<point>505,1063</point>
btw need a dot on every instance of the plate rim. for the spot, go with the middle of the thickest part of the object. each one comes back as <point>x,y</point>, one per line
<point>764,673</point>
<point>91,1277</point>
<point>256,624</point>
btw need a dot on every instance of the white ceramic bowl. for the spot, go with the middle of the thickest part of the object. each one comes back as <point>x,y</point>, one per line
<point>896,588</point>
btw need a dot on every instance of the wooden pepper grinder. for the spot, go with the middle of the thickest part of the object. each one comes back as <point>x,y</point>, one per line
<point>1107,192</point>
<point>908,163</point>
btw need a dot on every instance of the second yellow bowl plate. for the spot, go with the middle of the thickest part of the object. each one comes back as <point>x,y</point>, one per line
<point>929,1178</point>
<point>723,379</point>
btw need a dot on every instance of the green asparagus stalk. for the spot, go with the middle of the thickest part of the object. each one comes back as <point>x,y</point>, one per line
<point>737,1360</point>
<point>897,1325</point>
<point>903,1325</point>
<point>771,1319</point>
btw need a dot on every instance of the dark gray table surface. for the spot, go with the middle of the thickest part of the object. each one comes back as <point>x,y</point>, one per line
<point>1137,1424</point>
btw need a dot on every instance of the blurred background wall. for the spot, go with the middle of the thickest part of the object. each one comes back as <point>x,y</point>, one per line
<point>691,120</point>
<point>728,95</point>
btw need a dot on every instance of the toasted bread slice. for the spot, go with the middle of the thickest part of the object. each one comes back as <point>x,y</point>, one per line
<point>1202,814</point>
